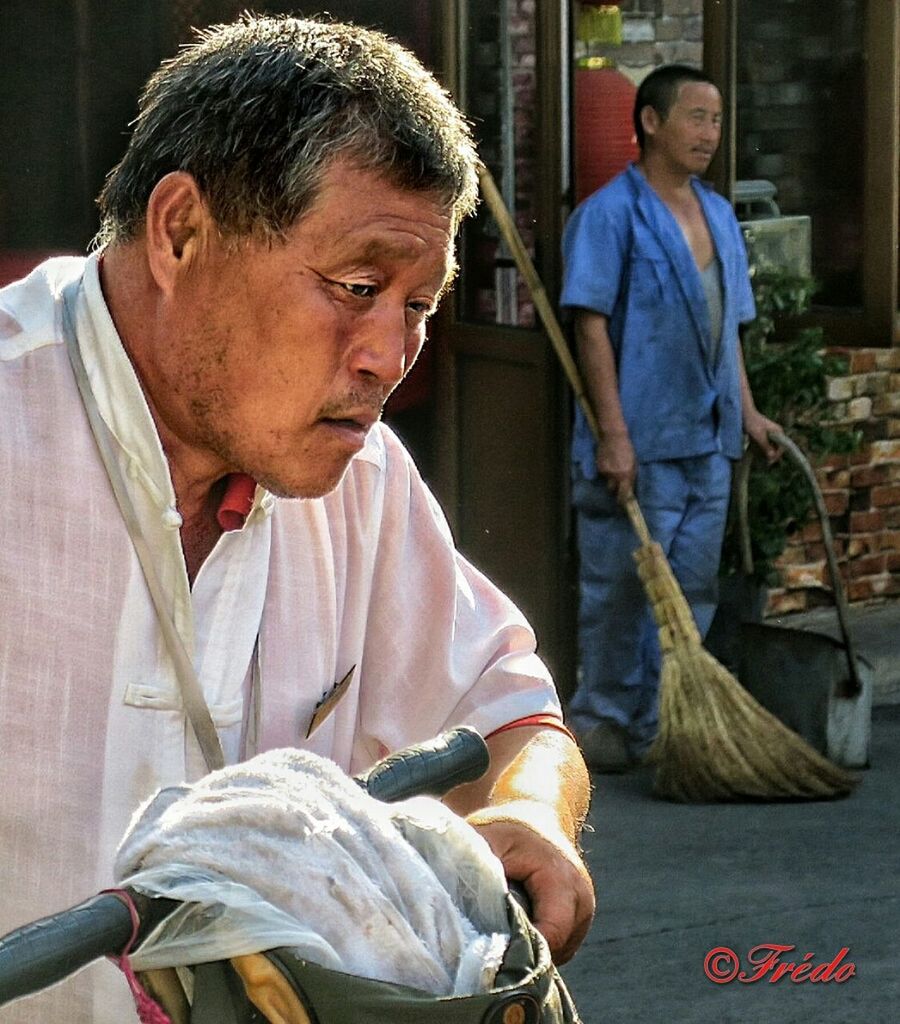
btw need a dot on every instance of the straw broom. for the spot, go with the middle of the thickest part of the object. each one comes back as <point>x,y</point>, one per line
<point>715,741</point>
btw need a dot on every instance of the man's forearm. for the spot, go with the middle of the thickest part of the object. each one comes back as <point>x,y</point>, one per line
<point>530,809</point>
<point>598,368</point>
<point>748,406</point>
<point>616,460</point>
<point>531,765</point>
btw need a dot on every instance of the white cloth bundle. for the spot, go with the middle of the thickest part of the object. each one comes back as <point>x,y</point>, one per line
<point>292,852</point>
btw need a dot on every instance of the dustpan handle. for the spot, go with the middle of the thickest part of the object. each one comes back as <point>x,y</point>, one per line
<point>837,587</point>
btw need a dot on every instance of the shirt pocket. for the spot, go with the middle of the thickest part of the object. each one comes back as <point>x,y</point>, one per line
<point>652,285</point>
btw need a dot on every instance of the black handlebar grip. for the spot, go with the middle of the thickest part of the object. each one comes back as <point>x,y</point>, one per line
<point>46,951</point>
<point>433,767</point>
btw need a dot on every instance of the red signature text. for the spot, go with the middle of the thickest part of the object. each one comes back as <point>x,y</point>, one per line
<point>772,962</point>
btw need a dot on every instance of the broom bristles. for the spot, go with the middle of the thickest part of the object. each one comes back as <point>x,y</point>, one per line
<point>715,741</point>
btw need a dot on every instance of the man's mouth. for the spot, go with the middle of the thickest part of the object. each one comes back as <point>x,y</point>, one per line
<point>354,426</point>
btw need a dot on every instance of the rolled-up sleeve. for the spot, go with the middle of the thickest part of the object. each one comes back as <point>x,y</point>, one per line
<point>595,251</point>
<point>444,646</point>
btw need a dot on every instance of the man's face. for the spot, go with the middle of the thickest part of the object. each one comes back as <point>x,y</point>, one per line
<point>688,137</point>
<point>287,352</point>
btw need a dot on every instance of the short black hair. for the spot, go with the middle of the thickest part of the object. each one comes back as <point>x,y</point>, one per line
<point>257,110</point>
<point>660,90</point>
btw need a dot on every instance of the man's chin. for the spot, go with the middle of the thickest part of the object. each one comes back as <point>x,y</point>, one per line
<point>312,485</point>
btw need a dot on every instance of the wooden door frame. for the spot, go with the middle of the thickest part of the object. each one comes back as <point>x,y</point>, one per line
<point>459,339</point>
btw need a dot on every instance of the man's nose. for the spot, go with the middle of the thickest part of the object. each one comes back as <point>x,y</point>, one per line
<point>380,348</point>
<point>712,130</point>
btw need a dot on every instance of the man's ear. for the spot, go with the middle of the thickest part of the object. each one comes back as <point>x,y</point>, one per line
<point>650,120</point>
<point>177,227</point>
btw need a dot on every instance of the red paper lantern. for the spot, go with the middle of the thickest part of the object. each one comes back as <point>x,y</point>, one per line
<point>605,142</point>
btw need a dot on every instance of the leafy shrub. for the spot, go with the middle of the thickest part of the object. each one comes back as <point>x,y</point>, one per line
<point>788,378</point>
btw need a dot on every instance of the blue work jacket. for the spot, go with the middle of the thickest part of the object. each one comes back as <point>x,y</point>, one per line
<point>627,258</point>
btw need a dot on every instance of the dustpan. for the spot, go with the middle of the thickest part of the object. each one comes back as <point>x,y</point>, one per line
<point>818,686</point>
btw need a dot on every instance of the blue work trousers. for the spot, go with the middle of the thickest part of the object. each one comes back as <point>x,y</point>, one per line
<point>685,503</point>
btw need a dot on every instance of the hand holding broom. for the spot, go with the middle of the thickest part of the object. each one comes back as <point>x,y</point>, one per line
<point>715,741</point>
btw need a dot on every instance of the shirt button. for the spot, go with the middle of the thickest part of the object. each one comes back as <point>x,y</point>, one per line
<point>171,517</point>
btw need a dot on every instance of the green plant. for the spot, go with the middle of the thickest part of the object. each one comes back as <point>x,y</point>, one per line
<point>789,380</point>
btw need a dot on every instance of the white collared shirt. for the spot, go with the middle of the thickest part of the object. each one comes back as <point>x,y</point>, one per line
<point>90,715</point>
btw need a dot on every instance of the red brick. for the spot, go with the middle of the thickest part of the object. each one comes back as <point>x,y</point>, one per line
<point>835,462</point>
<point>810,575</point>
<point>862,361</point>
<point>860,590</point>
<point>816,552</point>
<point>892,518</point>
<point>811,532</point>
<point>782,602</point>
<point>871,565</point>
<point>885,585</point>
<point>793,554</point>
<point>892,561</point>
<point>866,476</point>
<point>866,522</point>
<point>884,451</point>
<point>858,546</point>
<point>886,496</point>
<point>836,502</point>
<point>890,540</point>
<point>833,478</point>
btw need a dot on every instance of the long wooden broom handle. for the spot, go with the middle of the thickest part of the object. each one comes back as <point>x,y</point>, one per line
<point>551,324</point>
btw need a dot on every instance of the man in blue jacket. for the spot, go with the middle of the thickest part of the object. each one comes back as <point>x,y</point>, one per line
<point>656,273</point>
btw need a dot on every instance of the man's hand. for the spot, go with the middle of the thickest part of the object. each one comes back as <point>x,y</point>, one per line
<point>616,463</point>
<point>530,807</point>
<point>757,427</point>
<point>533,851</point>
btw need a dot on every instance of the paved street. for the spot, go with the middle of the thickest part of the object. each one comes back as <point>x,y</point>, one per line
<point>676,881</point>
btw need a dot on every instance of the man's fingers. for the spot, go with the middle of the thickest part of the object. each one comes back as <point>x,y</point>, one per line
<point>557,881</point>
<point>562,913</point>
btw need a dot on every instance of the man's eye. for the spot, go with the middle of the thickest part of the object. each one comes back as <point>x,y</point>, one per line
<point>360,291</point>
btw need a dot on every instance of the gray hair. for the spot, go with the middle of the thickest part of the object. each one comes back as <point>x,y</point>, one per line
<point>257,110</point>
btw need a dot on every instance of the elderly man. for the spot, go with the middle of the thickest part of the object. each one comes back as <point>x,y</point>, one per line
<point>273,243</point>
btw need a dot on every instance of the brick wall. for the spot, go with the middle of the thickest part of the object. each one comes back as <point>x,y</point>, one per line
<point>655,32</point>
<point>861,492</point>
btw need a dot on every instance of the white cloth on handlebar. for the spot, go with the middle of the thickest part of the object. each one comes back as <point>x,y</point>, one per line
<point>292,852</point>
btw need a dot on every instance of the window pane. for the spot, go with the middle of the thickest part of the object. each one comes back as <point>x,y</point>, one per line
<point>499,94</point>
<point>800,125</point>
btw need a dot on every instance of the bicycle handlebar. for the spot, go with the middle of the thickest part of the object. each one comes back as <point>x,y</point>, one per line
<point>44,952</point>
